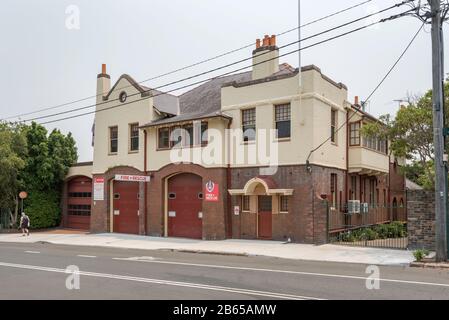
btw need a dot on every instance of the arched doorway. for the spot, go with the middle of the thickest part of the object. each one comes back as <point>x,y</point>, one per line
<point>185,206</point>
<point>395,209</point>
<point>79,203</point>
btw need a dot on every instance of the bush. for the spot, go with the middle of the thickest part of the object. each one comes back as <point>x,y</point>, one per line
<point>420,254</point>
<point>43,209</point>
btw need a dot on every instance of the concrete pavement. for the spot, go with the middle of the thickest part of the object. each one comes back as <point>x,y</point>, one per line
<point>326,253</point>
<point>37,271</point>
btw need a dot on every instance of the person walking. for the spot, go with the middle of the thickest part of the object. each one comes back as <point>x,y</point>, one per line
<point>25,225</point>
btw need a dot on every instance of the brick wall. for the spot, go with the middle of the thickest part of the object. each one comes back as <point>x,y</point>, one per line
<point>307,220</point>
<point>215,213</point>
<point>421,219</point>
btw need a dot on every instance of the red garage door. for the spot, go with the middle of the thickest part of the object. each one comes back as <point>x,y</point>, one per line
<point>79,203</point>
<point>126,207</point>
<point>185,203</point>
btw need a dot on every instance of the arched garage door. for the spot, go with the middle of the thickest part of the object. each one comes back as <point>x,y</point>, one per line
<point>185,204</point>
<point>79,203</point>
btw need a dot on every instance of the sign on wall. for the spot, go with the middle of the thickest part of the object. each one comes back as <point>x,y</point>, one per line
<point>128,178</point>
<point>211,192</point>
<point>99,189</point>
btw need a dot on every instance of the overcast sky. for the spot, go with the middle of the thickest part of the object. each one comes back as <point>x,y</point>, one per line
<point>43,63</point>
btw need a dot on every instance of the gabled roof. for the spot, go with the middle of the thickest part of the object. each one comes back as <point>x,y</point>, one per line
<point>164,102</point>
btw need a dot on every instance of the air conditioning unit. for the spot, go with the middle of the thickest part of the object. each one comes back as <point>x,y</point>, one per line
<point>354,207</point>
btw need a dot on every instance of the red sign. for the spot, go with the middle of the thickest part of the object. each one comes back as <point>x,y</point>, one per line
<point>211,192</point>
<point>23,195</point>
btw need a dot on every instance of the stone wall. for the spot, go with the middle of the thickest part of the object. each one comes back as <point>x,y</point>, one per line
<point>421,219</point>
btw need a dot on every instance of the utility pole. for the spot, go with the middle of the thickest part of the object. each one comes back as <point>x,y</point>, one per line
<point>439,139</point>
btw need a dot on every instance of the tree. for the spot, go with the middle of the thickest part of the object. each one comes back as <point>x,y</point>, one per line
<point>33,161</point>
<point>13,150</point>
<point>411,136</point>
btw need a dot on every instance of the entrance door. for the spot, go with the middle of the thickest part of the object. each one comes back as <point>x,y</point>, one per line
<point>126,207</point>
<point>265,218</point>
<point>185,204</point>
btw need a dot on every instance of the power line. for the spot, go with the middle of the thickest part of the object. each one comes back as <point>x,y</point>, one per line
<point>372,93</point>
<point>224,66</point>
<point>234,71</point>
<point>194,64</point>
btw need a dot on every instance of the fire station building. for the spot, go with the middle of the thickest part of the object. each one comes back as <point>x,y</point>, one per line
<point>230,158</point>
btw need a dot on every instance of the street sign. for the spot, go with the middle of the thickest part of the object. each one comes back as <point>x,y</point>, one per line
<point>23,195</point>
<point>99,189</point>
<point>128,178</point>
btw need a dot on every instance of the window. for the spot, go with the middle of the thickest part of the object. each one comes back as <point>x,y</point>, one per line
<point>376,144</point>
<point>334,123</point>
<point>283,121</point>
<point>353,187</point>
<point>354,134</point>
<point>187,135</point>
<point>164,138</point>
<point>113,136</point>
<point>204,135</point>
<point>134,137</point>
<point>245,203</point>
<point>176,137</point>
<point>79,210</point>
<point>80,195</point>
<point>249,125</point>
<point>385,198</point>
<point>334,190</point>
<point>284,204</point>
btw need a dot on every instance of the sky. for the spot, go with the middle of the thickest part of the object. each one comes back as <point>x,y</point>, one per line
<point>48,59</point>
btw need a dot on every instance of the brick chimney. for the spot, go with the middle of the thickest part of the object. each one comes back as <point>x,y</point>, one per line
<point>103,84</point>
<point>265,57</point>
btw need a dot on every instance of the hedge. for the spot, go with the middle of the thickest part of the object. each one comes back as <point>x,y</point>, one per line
<point>43,209</point>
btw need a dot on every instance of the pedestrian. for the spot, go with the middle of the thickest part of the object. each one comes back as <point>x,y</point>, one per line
<point>25,224</point>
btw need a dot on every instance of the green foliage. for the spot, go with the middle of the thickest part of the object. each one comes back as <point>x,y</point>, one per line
<point>420,254</point>
<point>43,209</point>
<point>411,136</point>
<point>37,162</point>
<point>384,231</point>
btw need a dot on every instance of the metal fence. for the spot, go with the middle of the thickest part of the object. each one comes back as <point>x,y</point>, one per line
<point>368,225</point>
<point>5,219</point>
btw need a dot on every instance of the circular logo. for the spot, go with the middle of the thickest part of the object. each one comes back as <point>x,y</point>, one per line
<point>210,186</point>
<point>23,195</point>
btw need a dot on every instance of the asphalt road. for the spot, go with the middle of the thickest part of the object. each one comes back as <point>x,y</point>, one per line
<point>38,271</point>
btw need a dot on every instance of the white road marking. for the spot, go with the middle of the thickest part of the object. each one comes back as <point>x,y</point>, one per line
<point>84,256</point>
<point>142,259</point>
<point>33,252</point>
<point>165,282</point>
<point>291,272</point>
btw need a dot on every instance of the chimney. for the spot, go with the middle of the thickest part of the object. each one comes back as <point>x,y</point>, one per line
<point>103,84</point>
<point>356,101</point>
<point>265,58</point>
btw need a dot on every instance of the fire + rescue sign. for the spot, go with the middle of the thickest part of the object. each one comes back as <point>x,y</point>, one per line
<point>128,178</point>
<point>211,192</point>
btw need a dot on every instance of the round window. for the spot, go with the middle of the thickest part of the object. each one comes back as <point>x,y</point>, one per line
<point>123,97</point>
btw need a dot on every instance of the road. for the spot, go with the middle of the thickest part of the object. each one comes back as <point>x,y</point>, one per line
<point>38,271</point>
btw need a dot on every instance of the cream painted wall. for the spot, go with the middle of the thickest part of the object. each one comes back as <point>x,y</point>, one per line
<point>311,118</point>
<point>362,158</point>
<point>79,171</point>
<point>140,112</point>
